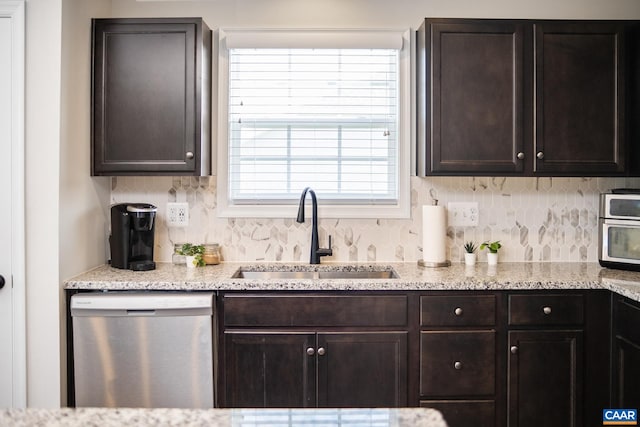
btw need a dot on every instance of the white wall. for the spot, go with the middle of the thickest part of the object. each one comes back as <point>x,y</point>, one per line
<point>64,205</point>
<point>372,13</point>
<point>83,200</point>
<point>42,122</point>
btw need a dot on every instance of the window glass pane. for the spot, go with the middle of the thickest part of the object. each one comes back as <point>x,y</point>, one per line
<point>311,142</point>
<point>324,118</point>
<point>261,176</point>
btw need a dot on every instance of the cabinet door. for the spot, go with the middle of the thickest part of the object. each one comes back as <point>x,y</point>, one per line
<point>626,393</point>
<point>457,363</point>
<point>626,354</point>
<point>362,369</point>
<point>473,100</point>
<point>545,379</point>
<point>270,370</point>
<point>580,88</point>
<point>150,82</point>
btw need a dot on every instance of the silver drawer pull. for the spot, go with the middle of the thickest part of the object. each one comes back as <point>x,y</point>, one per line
<point>457,365</point>
<point>546,310</point>
<point>458,311</point>
<point>189,155</point>
<point>311,351</point>
<point>514,349</point>
<point>321,351</point>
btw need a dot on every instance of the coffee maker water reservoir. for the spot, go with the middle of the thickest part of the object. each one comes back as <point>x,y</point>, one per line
<point>132,236</point>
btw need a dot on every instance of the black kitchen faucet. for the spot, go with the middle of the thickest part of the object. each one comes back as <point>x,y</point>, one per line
<point>316,251</point>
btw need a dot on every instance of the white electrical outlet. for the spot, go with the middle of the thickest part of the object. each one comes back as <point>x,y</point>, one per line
<point>462,214</point>
<point>177,214</point>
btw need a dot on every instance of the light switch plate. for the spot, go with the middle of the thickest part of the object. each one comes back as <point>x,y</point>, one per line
<point>462,214</point>
<point>177,214</point>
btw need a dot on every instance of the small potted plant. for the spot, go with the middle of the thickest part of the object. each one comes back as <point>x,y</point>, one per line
<point>492,256</point>
<point>192,255</point>
<point>470,253</point>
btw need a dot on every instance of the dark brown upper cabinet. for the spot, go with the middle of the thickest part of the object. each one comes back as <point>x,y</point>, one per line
<point>151,102</point>
<point>525,98</point>
<point>470,96</point>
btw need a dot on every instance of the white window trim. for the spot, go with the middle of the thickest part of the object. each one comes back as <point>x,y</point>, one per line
<point>406,138</point>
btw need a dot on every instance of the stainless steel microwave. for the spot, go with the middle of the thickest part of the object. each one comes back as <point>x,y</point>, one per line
<point>619,229</point>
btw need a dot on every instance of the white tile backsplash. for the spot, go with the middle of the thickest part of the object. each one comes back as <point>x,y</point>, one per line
<point>535,219</point>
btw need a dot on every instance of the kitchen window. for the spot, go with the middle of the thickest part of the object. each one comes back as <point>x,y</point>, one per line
<point>325,109</point>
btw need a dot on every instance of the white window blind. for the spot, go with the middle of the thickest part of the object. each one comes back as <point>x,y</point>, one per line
<point>324,118</point>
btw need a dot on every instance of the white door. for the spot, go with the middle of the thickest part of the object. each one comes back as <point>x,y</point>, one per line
<point>12,313</point>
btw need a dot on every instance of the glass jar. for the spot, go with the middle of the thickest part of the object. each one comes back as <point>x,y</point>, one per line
<point>211,255</point>
<point>176,258</point>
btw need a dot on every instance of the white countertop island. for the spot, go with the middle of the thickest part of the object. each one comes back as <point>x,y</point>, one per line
<point>117,417</point>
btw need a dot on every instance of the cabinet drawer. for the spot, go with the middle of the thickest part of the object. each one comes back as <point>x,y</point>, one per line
<point>545,309</point>
<point>463,310</point>
<point>457,363</point>
<point>314,310</point>
<point>627,321</point>
<point>464,413</point>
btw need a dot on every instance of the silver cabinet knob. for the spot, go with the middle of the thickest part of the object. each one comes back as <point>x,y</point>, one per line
<point>521,155</point>
<point>458,311</point>
<point>514,349</point>
<point>546,310</point>
<point>189,155</point>
<point>321,351</point>
<point>311,351</point>
<point>457,365</point>
<point>540,155</point>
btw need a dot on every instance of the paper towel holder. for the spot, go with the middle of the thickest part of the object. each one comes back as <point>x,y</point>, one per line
<point>429,264</point>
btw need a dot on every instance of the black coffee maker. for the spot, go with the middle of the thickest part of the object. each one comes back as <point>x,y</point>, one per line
<point>131,240</point>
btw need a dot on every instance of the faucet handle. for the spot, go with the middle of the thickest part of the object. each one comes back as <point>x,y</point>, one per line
<point>325,251</point>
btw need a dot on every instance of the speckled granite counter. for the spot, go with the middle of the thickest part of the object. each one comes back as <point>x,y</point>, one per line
<point>504,276</point>
<point>103,417</point>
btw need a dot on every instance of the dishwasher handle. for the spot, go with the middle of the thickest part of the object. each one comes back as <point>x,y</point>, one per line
<point>141,312</point>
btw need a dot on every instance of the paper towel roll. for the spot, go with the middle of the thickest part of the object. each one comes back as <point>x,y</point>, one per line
<point>434,236</point>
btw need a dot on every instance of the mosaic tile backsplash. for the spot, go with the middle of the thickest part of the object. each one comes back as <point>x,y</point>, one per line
<point>535,219</point>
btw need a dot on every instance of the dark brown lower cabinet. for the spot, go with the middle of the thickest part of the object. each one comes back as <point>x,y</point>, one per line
<point>364,369</point>
<point>627,360</point>
<point>325,369</point>
<point>545,378</point>
<point>456,363</point>
<point>458,375</point>
<point>503,359</point>
<point>270,370</point>
<point>626,354</point>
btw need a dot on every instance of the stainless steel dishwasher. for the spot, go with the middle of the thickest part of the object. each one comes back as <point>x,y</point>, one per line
<point>143,349</point>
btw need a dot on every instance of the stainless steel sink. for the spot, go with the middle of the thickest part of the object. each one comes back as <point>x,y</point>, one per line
<point>332,274</point>
<point>244,274</point>
<point>380,274</point>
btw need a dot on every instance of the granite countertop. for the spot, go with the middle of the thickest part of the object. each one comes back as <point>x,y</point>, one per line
<point>106,417</point>
<point>504,276</point>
